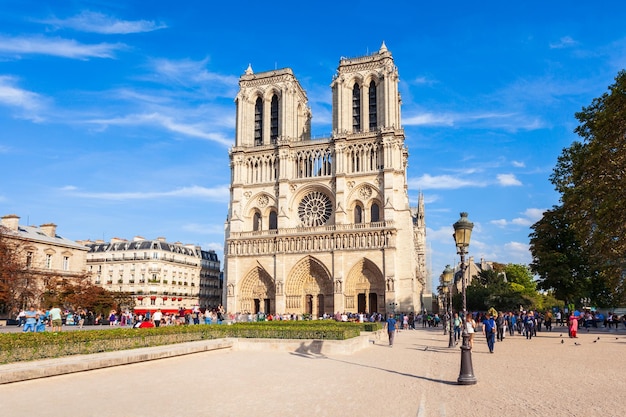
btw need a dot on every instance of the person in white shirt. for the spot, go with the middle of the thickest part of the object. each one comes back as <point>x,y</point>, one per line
<point>157,317</point>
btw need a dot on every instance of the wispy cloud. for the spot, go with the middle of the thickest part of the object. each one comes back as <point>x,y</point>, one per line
<point>28,103</point>
<point>95,22</point>
<point>169,123</point>
<point>518,164</point>
<point>186,72</point>
<point>529,217</point>
<point>510,121</point>
<point>508,180</point>
<point>441,182</point>
<point>429,119</point>
<point>66,48</point>
<point>218,193</point>
<point>564,42</point>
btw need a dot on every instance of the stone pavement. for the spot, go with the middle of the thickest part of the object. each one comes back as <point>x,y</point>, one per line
<point>415,377</point>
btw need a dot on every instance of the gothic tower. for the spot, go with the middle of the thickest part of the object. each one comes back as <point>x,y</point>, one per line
<point>324,225</point>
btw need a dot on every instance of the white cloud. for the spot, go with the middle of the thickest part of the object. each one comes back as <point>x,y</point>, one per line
<point>94,22</point>
<point>428,119</point>
<point>187,71</point>
<point>448,182</point>
<point>564,42</point>
<point>518,164</point>
<point>499,222</point>
<point>534,214</point>
<point>529,217</point>
<point>507,180</point>
<point>219,193</point>
<point>67,48</point>
<point>167,122</point>
<point>30,103</point>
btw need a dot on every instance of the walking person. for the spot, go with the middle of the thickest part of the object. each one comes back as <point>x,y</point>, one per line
<point>470,326</point>
<point>56,319</point>
<point>457,328</point>
<point>489,330</point>
<point>573,326</point>
<point>500,325</point>
<point>391,329</point>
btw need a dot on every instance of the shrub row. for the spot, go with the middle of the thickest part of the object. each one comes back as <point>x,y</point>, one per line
<point>16,347</point>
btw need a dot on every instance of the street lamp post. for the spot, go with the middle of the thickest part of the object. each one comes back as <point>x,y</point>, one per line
<point>447,275</point>
<point>462,234</point>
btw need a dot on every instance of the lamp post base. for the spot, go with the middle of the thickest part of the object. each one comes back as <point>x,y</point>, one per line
<point>466,376</point>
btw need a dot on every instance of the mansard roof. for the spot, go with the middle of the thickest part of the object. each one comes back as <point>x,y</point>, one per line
<point>35,234</point>
<point>140,245</point>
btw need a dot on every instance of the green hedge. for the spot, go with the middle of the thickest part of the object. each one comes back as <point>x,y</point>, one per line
<point>16,347</point>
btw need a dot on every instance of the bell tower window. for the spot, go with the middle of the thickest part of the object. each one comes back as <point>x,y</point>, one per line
<point>356,108</point>
<point>372,106</point>
<point>274,120</point>
<point>258,122</point>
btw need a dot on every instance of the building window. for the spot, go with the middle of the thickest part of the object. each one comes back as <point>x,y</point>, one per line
<point>372,106</point>
<point>273,220</point>
<point>152,301</point>
<point>274,120</point>
<point>48,261</point>
<point>356,108</point>
<point>256,222</point>
<point>258,122</point>
<point>358,215</point>
<point>155,255</point>
<point>66,263</point>
<point>375,213</point>
<point>29,259</point>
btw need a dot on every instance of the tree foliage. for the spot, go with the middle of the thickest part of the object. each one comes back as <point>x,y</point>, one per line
<point>505,288</point>
<point>585,236</point>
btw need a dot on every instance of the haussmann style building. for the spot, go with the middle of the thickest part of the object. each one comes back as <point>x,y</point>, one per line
<point>156,274</point>
<point>318,226</point>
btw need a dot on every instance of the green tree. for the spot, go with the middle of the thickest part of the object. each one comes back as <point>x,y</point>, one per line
<point>591,177</point>
<point>559,260</point>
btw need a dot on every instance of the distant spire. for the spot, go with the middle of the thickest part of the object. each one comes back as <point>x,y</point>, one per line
<point>249,70</point>
<point>383,48</point>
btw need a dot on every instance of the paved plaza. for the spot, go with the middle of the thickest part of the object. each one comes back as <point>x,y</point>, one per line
<point>415,377</point>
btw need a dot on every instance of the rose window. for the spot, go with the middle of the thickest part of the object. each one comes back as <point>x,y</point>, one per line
<point>315,209</point>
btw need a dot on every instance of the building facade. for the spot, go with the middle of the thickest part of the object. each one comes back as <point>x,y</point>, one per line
<point>48,257</point>
<point>156,274</point>
<point>318,226</point>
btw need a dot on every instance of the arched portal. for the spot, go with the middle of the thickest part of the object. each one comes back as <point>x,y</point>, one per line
<point>257,292</point>
<point>365,288</point>
<point>309,288</point>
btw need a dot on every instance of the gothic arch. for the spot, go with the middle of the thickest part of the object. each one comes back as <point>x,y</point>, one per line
<point>365,279</point>
<point>263,202</point>
<point>309,279</point>
<point>256,285</point>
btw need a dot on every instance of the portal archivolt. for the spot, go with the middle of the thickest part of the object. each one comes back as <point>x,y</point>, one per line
<point>364,290</point>
<point>309,288</point>
<point>257,292</point>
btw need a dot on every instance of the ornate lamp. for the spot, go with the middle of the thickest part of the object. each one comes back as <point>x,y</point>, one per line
<point>462,235</point>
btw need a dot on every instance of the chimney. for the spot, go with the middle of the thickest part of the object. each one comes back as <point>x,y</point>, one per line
<point>117,240</point>
<point>11,221</point>
<point>138,238</point>
<point>50,229</point>
<point>161,239</point>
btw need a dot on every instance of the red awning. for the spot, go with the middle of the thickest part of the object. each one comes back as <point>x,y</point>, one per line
<point>153,297</point>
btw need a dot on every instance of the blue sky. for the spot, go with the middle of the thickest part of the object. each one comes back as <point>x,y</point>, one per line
<point>116,117</point>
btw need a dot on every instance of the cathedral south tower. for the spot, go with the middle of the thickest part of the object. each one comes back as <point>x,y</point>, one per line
<point>317,226</point>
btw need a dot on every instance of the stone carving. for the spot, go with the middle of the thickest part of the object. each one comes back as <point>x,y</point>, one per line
<point>365,192</point>
<point>263,201</point>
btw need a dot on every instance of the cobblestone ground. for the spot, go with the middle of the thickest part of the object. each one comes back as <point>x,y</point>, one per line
<point>415,377</point>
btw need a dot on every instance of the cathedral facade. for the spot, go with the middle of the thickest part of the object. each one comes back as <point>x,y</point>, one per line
<point>317,226</point>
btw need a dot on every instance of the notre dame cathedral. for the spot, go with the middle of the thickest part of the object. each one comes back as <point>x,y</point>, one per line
<point>318,226</point>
